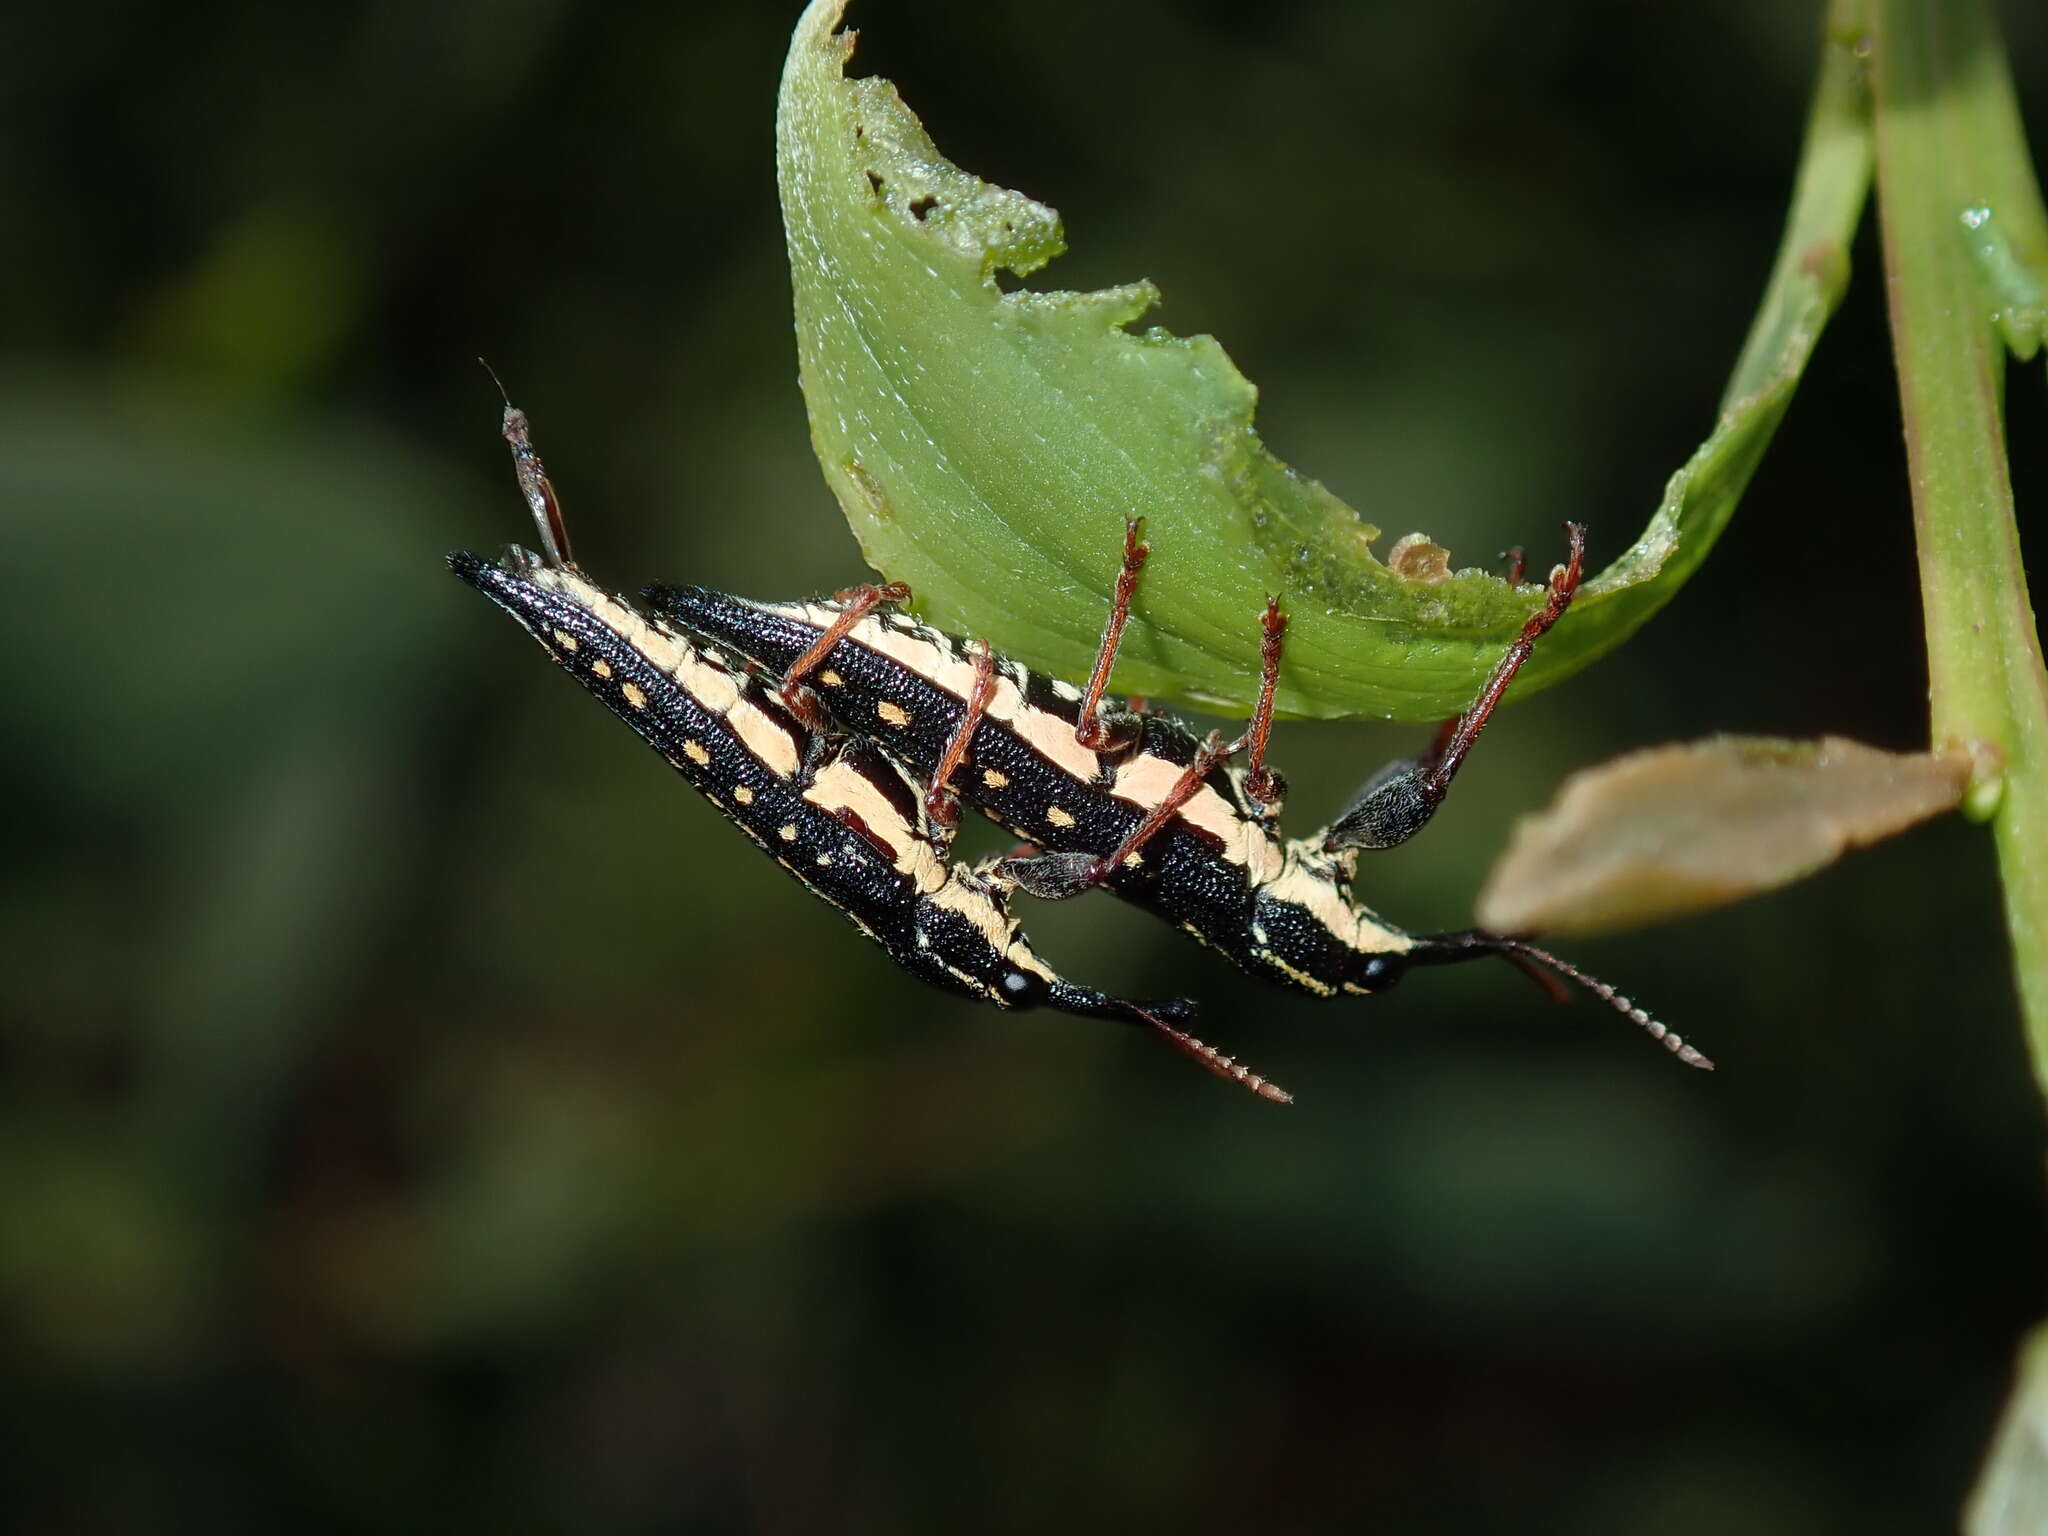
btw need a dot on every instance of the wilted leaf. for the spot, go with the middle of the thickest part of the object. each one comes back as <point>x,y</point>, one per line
<point>1683,828</point>
<point>987,446</point>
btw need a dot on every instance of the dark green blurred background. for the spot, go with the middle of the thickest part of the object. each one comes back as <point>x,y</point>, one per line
<point>420,1112</point>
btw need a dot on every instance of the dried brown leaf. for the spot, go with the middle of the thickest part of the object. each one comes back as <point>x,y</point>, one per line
<point>1695,825</point>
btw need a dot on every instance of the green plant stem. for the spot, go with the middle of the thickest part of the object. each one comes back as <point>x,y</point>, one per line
<point>1833,180</point>
<point>1937,79</point>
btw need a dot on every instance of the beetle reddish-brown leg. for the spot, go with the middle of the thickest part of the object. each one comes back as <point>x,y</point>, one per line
<point>1090,729</point>
<point>1262,783</point>
<point>1213,752</point>
<point>940,802</point>
<point>1457,737</point>
<point>857,603</point>
<point>1057,876</point>
<point>1398,801</point>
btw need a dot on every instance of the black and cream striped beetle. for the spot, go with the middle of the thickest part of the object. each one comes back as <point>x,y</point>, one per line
<point>1134,801</point>
<point>836,812</point>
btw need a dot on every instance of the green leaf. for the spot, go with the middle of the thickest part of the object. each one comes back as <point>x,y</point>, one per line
<point>987,446</point>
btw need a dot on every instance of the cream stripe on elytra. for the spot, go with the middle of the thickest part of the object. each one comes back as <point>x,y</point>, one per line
<point>704,679</point>
<point>1144,780</point>
<point>836,786</point>
<point>839,786</point>
<point>767,738</point>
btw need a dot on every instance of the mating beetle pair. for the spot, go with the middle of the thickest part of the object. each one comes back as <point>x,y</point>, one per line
<point>852,767</point>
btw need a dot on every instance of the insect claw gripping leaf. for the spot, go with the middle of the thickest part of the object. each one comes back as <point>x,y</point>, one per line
<point>1400,799</point>
<point>840,815</point>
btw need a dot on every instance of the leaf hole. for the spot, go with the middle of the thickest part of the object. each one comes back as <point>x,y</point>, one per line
<point>920,207</point>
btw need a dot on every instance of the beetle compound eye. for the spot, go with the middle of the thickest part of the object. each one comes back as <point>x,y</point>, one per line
<point>1381,972</point>
<point>1021,989</point>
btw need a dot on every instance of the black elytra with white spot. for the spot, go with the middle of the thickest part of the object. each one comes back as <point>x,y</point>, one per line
<point>836,813</point>
<point>1218,871</point>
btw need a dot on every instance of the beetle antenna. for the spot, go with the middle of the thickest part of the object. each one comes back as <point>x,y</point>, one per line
<point>1208,1056</point>
<point>1519,949</point>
